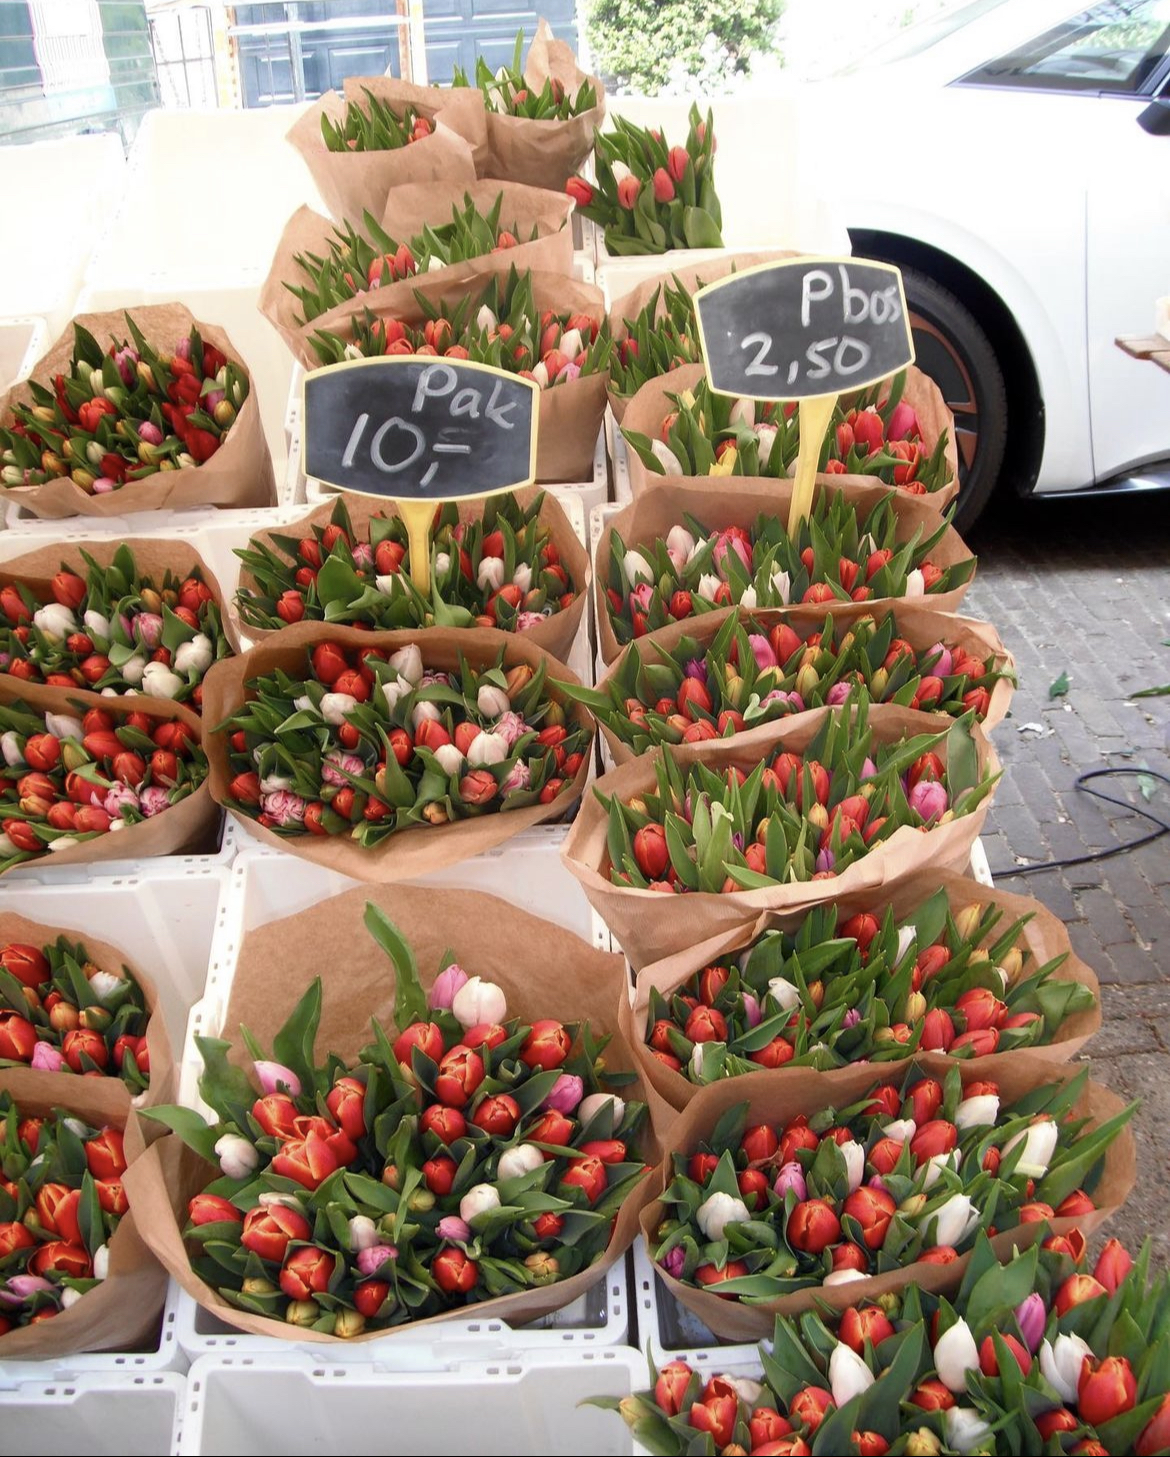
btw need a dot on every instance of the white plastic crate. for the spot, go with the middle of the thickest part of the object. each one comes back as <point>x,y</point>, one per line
<point>106,1416</point>
<point>619,461</point>
<point>22,342</point>
<point>254,1406</point>
<point>165,1355</point>
<point>668,1331</point>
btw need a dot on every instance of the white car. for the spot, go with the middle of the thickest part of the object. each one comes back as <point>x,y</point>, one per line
<point>1014,159</point>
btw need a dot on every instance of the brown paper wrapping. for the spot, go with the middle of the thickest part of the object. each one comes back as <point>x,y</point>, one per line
<point>649,925</point>
<point>717,505</point>
<point>806,1092</point>
<point>351,183</point>
<point>238,474</point>
<point>921,627</point>
<point>555,634</point>
<point>191,825</point>
<point>58,1087</point>
<point>1044,936</point>
<point>408,209</point>
<point>649,407</point>
<point>410,853</point>
<point>122,1313</point>
<point>630,305</point>
<point>544,971</point>
<point>570,413</point>
<point>544,153</point>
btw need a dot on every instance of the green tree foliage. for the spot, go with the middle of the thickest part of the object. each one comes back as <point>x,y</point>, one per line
<point>647,46</point>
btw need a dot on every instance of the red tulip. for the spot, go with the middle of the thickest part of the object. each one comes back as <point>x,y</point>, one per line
<point>212,1209</point>
<point>1059,1419</point>
<point>307,1272</point>
<point>497,1115</point>
<point>926,1099</point>
<point>105,1154</point>
<point>546,1046</point>
<point>454,1272</point>
<point>426,1036</point>
<point>276,1113</point>
<point>447,1124</point>
<point>767,1425</point>
<point>676,161</point>
<point>586,1173</point>
<point>933,1138</point>
<point>873,1209</point>
<point>1105,1389</point>
<point>989,1359</point>
<point>1075,1291</point>
<point>809,1406</point>
<point>867,1323</point>
<point>346,1100</point>
<point>709,1275</point>
<point>981,1008</point>
<point>705,1024</point>
<point>759,1143</point>
<point>932,1395</point>
<point>581,193</point>
<point>1155,1435</point>
<point>627,192</point>
<point>57,1209</point>
<point>701,1166</point>
<point>18,1037</point>
<point>812,1226</point>
<point>1113,1265</point>
<point>309,1160</point>
<point>59,1258</point>
<point>716,1416</point>
<point>84,1044</point>
<point>27,964</point>
<point>369,1297</point>
<point>460,1072</point>
<point>650,851</point>
<point>439,1175</point>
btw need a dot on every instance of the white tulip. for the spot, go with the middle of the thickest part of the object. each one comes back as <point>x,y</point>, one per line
<point>680,540</point>
<point>766,436</point>
<point>955,1218</point>
<point>491,701</point>
<point>10,748</point>
<point>843,1277</point>
<point>666,458</point>
<point>479,1003</point>
<point>490,575</point>
<point>854,1156</point>
<point>101,1262</point>
<point>571,342</point>
<point>393,691</point>
<point>390,582</point>
<point>978,1112</point>
<point>743,412</point>
<point>866,547</point>
<point>485,319</point>
<point>708,586</point>
<point>237,1158</point>
<point>133,670</point>
<point>63,726</point>
<point>96,625</point>
<point>110,693</point>
<point>272,783</point>
<point>745,1389</point>
<point>636,568</point>
<point>915,584</point>
<point>8,848</point>
<point>717,1212</point>
<point>907,937</point>
<point>434,263</point>
<point>486,749</point>
<point>55,620</point>
<point>932,1170</point>
<point>335,706</point>
<point>103,983</point>
<point>449,758</point>
<point>407,663</point>
<point>955,1353</point>
<point>540,374</point>
<point>699,1054</point>
<point>1061,1362</point>
<point>478,1200</point>
<point>620,172</point>
<point>1039,1140</point>
<point>522,578</point>
<point>784,993</point>
<point>782,585</point>
<point>849,1376</point>
<point>76,1127</point>
<point>589,1107</point>
<point>363,1233</point>
<point>515,1162</point>
<point>748,597</point>
<point>442,563</point>
<point>290,1201</point>
<point>304,704</point>
<point>421,712</point>
<point>159,682</point>
<point>966,1429</point>
<point>195,656</point>
<point>69,1297</point>
<point>903,1129</point>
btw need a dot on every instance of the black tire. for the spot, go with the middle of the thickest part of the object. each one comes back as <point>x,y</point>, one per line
<point>956,353</point>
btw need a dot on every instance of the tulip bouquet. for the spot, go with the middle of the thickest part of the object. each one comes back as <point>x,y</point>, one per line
<point>908,1173</point>
<point>752,673</point>
<point>657,340</point>
<point>370,743</point>
<point>124,413</point>
<point>875,434</point>
<point>795,817</point>
<point>359,262</point>
<point>467,1155</point>
<point>508,93</point>
<point>650,197</point>
<point>61,1200</point>
<point>841,553</point>
<point>60,1012</point>
<point>113,629</point>
<point>374,126</point>
<point>865,988</point>
<point>70,779</point>
<point>502,571</point>
<point>1027,1356</point>
<point>506,330</point>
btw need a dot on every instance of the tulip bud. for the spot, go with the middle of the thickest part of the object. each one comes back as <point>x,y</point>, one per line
<point>446,984</point>
<point>1061,1362</point>
<point>478,1003</point>
<point>453,1228</point>
<point>849,1375</point>
<point>591,1106</point>
<point>1040,1140</point>
<point>565,1094</point>
<point>237,1157</point>
<point>717,1212</point>
<point>520,1160</point>
<point>491,701</point>
<point>966,1431</point>
<point>274,1077</point>
<point>955,1354</point>
<point>1031,1317</point>
<point>479,1199</point>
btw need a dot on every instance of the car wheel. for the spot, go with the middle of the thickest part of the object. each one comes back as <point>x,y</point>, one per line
<point>951,347</point>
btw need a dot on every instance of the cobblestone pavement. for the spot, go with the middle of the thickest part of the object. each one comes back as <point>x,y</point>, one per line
<point>1083,588</point>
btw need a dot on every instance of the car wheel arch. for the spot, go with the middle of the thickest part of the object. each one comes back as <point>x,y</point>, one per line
<point>1026,423</point>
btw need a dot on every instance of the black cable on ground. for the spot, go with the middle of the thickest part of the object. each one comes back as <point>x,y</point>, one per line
<point>1162,826</point>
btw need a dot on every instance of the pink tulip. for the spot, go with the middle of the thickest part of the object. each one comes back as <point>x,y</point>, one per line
<point>903,422</point>
<point>47,1059</point>
<point>928,798</point>
<point>452,1227</point>
<point>368,1261</point>
<point>762,651</point>
<point>565,1094</point>
<point>274,1077</point>
<point>446,984</point>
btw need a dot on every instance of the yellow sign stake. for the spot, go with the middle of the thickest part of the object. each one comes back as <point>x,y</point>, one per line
<point>814,416</point>
<point>417,517</point>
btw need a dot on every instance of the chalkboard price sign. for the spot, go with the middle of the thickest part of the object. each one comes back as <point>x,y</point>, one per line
<point>416,428</point>
<point>804,327</point>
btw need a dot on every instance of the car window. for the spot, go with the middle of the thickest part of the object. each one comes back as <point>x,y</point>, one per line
<point>921,36</point>
<point>1115,47</point>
